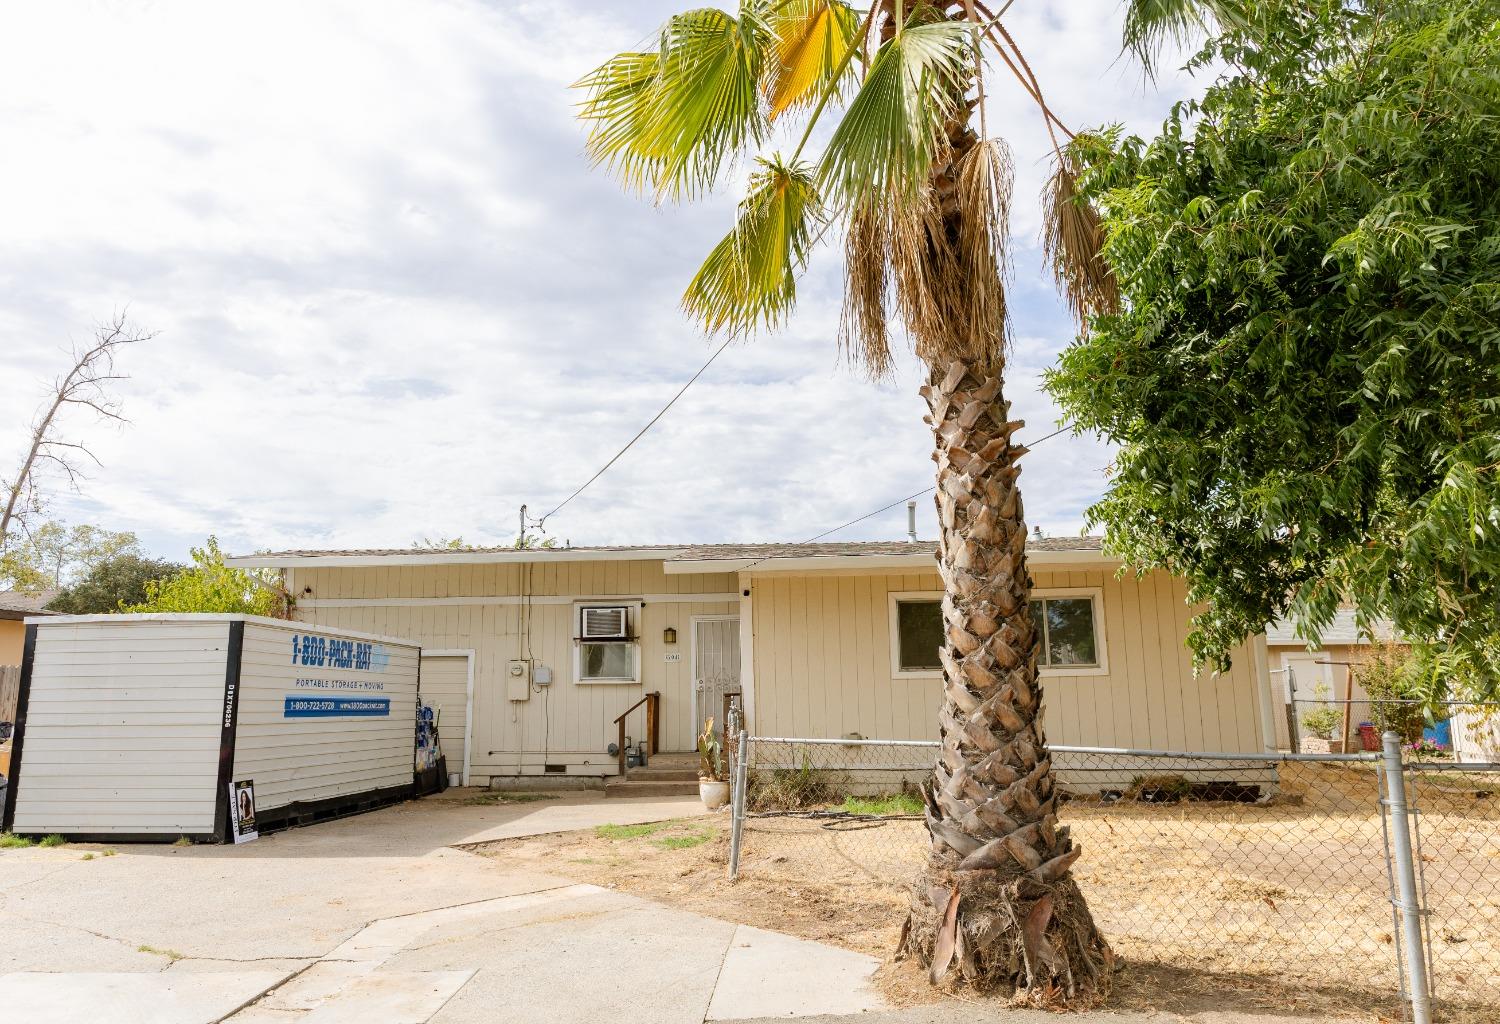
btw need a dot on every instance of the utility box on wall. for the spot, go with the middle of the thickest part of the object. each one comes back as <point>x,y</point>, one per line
<point>518,680</point>
<point>142,727</point>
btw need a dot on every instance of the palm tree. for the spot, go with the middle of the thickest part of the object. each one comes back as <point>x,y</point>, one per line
<point>922,194</point>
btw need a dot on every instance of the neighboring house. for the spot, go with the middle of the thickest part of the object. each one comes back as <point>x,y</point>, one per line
<point>15,606</point>
<point>1323,672</point>
<point>1329,670</point>
<point>536,652</point>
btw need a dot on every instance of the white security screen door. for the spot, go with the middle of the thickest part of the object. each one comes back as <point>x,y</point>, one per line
<point>716,667</point>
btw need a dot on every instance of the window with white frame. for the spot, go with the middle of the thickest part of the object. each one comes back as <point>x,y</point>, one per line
<point>1069,624</point>
<point>1068,621</point>
<point>606,648</point>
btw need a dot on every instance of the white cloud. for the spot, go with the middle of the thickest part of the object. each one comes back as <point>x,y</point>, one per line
<point>395,301</point>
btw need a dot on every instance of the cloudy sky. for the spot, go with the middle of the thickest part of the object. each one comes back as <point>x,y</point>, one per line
<point>393,300</point>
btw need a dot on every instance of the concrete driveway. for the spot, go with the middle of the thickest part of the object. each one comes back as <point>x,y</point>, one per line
<point>379,919</point>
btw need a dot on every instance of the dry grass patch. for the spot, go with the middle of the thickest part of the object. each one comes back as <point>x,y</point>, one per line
<point>1277,908</point>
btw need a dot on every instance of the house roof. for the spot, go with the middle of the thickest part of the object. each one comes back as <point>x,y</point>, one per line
<point>1342,630</point>
<point>678,558</point>
<point>17,604</point>
<point>876,547</point>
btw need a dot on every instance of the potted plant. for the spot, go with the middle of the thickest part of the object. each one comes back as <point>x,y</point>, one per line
<point>1321,724</point>
<point>713,788</point>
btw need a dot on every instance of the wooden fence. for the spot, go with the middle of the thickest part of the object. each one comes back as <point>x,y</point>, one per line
<point>10,691</point>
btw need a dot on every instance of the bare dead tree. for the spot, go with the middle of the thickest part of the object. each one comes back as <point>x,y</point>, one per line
<point>87,386</point>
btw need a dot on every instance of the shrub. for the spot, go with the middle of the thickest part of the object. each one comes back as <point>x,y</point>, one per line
<point>789,789</point>
<point>1390,675</point>
<point>1322,722</point>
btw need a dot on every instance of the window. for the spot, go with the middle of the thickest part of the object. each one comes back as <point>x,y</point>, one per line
<point>916,634</point>
<point>607,661</point>
<point>1070,637</point>
<point>614,658</point>
<point>1068,622</point>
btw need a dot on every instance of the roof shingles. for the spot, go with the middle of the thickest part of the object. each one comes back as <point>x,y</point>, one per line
<point>16,604</point>
<point>697,552</point>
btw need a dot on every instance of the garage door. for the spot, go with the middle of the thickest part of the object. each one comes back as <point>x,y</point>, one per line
<point>445,686</point>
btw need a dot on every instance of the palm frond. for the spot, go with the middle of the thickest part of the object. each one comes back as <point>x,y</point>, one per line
<point>671,121</point>
<point>985,180</point>
<point>927,276</point>
<point>893,130</point>
<point>864,333</point>
<point>811,39</point>
<point>941,256</point>
<point>1073,245</point>
<point>1150,25</point>
<point>750,278</point>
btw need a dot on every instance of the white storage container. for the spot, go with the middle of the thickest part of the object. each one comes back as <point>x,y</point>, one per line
<point>150,727</point>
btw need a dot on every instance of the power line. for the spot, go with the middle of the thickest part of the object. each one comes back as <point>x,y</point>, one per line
<point>869,515</point>
<point>641,433</point>
<point>898,501</point>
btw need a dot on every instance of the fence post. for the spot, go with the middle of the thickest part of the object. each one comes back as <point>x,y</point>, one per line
<point>737,804</point>
<point>1405,897</point>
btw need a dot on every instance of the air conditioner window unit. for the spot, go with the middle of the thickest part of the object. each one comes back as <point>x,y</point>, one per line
<point>606,623</point>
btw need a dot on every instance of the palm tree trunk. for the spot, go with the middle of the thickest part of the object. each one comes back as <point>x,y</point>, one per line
<point>997,899</point>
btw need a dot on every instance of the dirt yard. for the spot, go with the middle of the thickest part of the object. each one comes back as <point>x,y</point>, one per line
<point>1277,908</point>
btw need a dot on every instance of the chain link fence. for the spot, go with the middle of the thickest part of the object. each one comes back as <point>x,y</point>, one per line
<point>1456,810</point>
<point>1276,867</point>
<point>1445,730</point>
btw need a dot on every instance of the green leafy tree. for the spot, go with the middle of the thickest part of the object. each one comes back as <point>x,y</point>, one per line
<point>112,584</point>
<point>58,555</point>
<point>909,174</point>
<point>52,555</point>
<point>1393,677</point>
<point>208,585</point>
<point>18,572</point>
<point>1303,375</point>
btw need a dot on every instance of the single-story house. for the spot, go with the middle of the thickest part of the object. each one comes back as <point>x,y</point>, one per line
<point>536,652</point>
<point>15,607</point>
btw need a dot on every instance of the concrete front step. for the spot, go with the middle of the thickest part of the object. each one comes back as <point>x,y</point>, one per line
<point>651,774</point>
<point>635,787</point>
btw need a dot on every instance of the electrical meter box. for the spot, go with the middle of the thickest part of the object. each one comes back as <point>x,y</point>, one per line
<point>518,680</point>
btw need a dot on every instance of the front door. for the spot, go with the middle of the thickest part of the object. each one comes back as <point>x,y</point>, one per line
<point>716,667</point>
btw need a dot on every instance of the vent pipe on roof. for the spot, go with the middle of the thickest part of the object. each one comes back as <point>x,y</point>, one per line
<point>911,522</point>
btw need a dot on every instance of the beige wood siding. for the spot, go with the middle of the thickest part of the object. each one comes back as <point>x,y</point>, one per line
<point>481,607</point>
<point>122,729</point>
<point>445,688</point>
<point>822,659</point>
<point>305,759</point>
